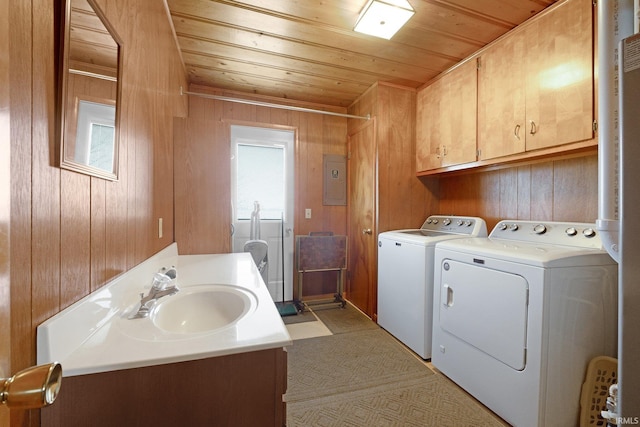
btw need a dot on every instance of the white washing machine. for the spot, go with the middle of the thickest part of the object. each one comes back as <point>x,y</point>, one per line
<point>518,316</point>
<point>405,276</point>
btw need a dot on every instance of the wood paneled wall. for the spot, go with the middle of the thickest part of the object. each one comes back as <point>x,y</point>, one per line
<point>202,175</point>
<point>560,190</point>
<point>404,201</point>
<point>203,200</point>
<point>401,199</point>
<point>71,233</point>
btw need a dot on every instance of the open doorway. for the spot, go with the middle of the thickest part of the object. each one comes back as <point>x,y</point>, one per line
<point>262,175</point>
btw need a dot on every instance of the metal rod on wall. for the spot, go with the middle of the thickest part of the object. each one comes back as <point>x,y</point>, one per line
<point>268,104</point>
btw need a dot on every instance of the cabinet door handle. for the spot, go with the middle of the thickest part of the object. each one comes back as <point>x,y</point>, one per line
<point>438,152</point>
<point>444,150</point>
<point>534,129</point>
<point>516,132</point>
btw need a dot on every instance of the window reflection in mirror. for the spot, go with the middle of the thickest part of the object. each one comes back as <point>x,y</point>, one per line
<point>89,92</point>
<point>95,134</point>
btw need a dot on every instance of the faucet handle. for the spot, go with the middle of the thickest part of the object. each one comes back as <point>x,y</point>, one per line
<point>160,281</point>
<point>172,272</point>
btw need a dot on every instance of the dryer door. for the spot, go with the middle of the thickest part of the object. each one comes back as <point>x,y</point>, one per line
<point>487,309</point>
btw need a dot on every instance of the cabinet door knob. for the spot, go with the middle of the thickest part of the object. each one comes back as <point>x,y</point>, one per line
<point>534,129</point>
<point>516,132</point>
<point>366,231</point>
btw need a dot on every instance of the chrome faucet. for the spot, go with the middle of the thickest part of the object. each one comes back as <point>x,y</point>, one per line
<point>164,284</point>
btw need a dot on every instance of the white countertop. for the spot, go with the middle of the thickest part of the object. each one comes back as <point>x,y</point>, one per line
<point>95,335</point>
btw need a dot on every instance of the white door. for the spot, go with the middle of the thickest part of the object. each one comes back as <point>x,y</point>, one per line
<point>262,171</point>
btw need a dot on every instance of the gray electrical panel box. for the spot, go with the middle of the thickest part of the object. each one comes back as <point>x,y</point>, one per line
<point>335,180</point>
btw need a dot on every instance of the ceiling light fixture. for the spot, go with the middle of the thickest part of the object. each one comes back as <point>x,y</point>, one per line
<point>383,18</point>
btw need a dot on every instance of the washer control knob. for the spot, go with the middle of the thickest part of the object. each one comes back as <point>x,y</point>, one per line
<point>435,220</point>
<point>503,226</point>
<point>429,220</point>
<point>446,221</point>
<point>513,227</point>
<point>467,223</point>
<point>571,231</point>
<point>540,229</point>
<point>459,222</point>
<point>589,232</point>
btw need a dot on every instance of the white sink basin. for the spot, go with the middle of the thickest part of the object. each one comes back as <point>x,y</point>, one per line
<point>202,308</point>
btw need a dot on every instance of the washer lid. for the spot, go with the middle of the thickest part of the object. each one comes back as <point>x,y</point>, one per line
<point>418,237</point>
<point>440,227</point>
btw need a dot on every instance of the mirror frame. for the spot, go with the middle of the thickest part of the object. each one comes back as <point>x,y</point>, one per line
<point>67,117</point>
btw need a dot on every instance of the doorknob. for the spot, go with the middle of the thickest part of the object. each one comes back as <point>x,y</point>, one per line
<point>366,231</point>
<point>32,388</point>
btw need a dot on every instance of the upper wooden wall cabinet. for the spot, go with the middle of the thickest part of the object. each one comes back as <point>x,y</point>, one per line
<point>535,91</point>
<point>536,86</point>
<point>446,119</point>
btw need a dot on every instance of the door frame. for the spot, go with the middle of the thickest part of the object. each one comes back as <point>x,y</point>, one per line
<point>290,223</point>
<point>5,204</point>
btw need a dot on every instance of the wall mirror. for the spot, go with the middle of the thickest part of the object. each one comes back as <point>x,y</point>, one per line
<point>89,91</point>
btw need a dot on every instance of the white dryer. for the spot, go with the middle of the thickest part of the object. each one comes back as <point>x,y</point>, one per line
<point>518,316</point>
<point>405,276</point>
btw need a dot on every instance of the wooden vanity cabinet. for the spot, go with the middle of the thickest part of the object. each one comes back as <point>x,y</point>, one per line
<point>535,86</point>
<point>244,389</point>
<point>446,119</point>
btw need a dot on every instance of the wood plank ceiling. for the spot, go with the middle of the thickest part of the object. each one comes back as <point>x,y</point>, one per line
<point>91,47</point>
<point>306,49</point>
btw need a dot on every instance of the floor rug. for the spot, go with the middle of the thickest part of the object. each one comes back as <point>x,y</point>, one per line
<point>362,376</point>
<point>303,317</point>
<point>347,319</point>
<point>424,402</point>
<point>346,362</point>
